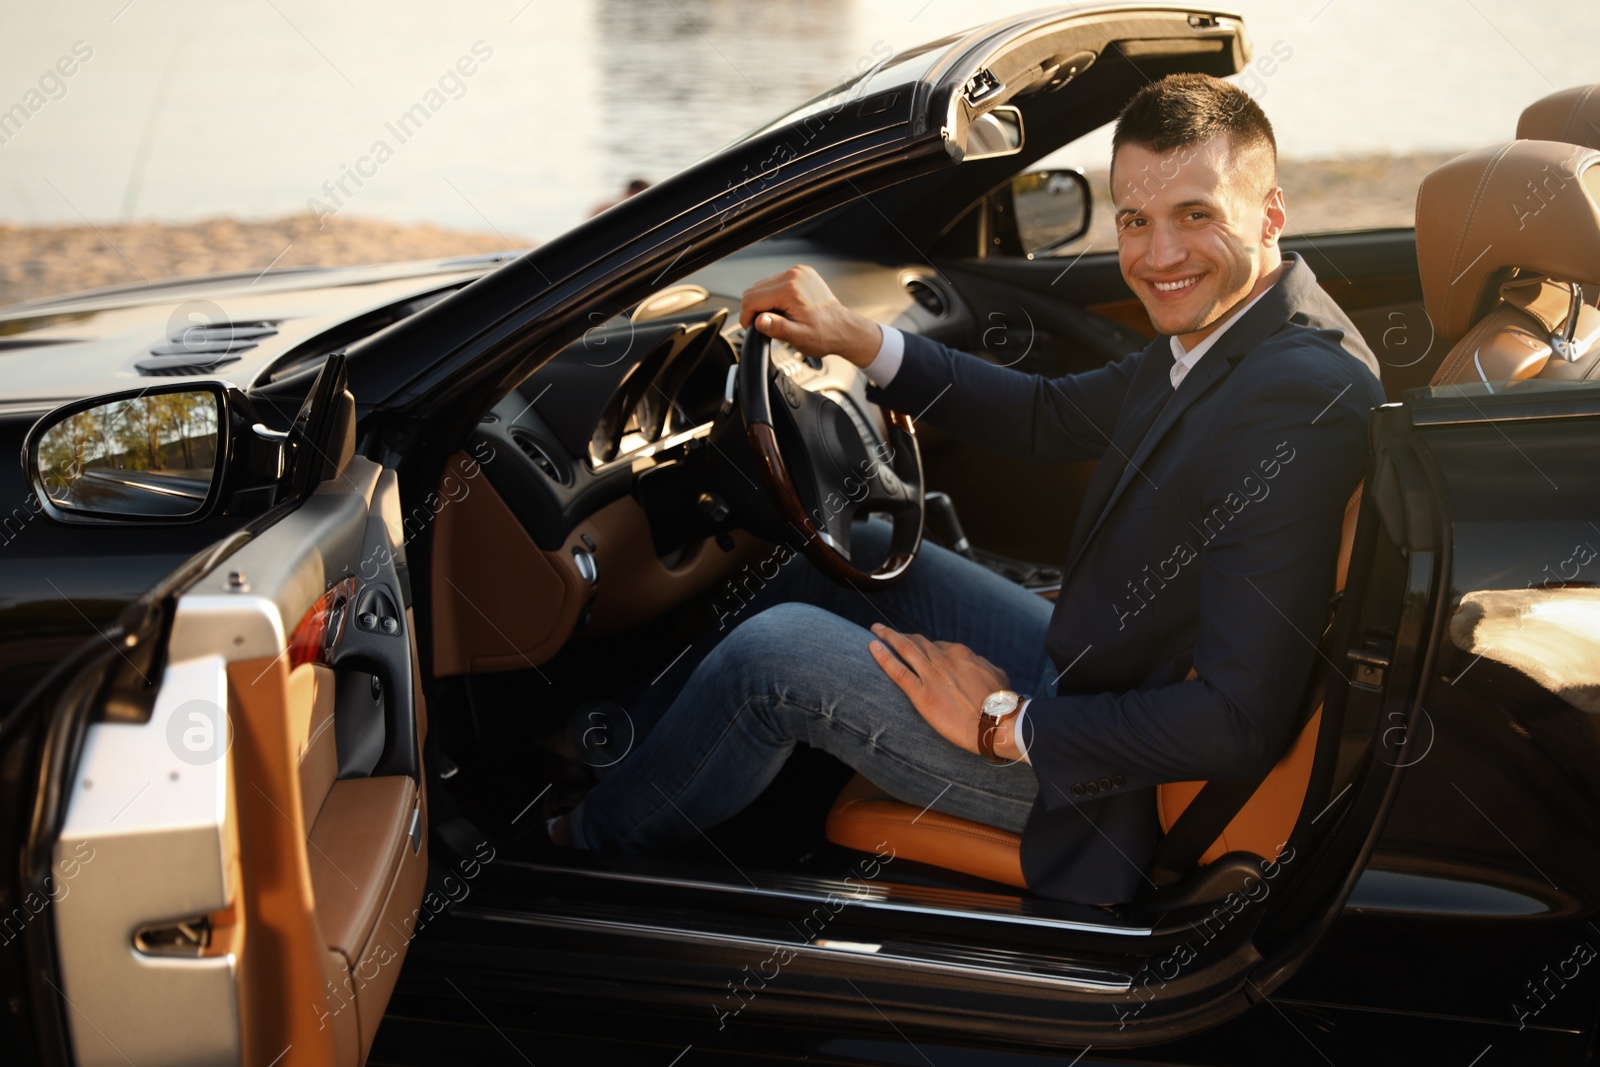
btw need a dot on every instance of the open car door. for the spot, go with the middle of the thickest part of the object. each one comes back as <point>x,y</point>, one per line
<point>228,822</point>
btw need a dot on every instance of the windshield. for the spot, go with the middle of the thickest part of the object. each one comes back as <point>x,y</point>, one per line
<point>907,66</point>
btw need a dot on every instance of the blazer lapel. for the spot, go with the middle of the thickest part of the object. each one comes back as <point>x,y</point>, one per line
<point>1150,388</point>
<point>1253,327</point>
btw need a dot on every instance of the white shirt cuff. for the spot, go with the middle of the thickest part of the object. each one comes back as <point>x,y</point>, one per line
<point>886,364</point>
<point>1016,731</point>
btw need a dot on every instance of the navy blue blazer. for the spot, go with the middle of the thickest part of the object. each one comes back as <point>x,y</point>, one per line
<point>1208,538</point>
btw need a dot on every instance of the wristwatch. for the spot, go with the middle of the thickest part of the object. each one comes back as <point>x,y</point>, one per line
<point>996,708</point>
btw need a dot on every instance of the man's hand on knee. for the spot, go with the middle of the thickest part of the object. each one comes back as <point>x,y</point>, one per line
<point>798,308</point>
<point>945,681</point>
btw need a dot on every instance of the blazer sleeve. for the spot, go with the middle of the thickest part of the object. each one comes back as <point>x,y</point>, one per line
<point>1280,473</point>
<point>1025,416</point>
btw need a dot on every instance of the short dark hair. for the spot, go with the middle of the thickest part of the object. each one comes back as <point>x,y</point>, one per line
<point>1185,109</point>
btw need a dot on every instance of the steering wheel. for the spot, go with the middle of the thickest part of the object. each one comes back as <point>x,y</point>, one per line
<point>846,467</point>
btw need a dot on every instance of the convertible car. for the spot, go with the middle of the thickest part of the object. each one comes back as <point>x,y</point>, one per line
<point>299,572</point>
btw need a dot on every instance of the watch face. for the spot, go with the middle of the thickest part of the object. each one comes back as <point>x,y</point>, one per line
<point>1000,703</point>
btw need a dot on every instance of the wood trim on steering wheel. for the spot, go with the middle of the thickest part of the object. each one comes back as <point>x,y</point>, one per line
<point>757,411</point>
<point>764,443</point>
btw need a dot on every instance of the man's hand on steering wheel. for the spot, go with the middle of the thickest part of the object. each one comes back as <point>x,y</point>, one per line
<point>798,308</point>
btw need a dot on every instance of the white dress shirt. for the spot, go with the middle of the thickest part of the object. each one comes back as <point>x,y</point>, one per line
<point>1183,360</point>
<point>891,352</point>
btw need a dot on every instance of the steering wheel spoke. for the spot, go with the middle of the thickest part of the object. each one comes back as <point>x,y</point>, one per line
<point>849,468</point>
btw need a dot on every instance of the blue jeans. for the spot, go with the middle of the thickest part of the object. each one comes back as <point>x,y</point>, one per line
<point>799,670</point>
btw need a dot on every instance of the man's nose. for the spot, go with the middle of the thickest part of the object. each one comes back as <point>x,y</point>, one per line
<point>1167,249</point>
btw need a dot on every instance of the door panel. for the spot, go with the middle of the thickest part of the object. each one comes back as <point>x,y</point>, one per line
<point>238,897</point>
<point>149,837</point>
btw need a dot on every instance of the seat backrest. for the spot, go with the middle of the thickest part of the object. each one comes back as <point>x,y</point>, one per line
<point>1507,236</point>
<point>1571,116</point>
<point>1263,824</point>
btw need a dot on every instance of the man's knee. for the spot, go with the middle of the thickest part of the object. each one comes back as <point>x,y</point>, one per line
<point>785,645</point>
<point>776,629</point>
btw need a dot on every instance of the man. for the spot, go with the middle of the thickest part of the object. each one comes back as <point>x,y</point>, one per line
<point>1207,540</point>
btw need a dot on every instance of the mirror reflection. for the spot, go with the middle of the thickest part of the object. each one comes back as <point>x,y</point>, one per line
<point>994,133</point>
<point>1052,208</point>
<point>147,456</point>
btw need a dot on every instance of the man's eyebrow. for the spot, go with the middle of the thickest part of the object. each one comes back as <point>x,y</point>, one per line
<point>1183,205</point>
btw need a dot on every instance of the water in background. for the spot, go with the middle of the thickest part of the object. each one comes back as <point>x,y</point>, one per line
<point>521,116</point>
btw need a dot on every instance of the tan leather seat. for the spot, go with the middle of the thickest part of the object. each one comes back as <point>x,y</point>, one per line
<point>1506,238</point>
<point>864,817</point>
<point>1571,116</point>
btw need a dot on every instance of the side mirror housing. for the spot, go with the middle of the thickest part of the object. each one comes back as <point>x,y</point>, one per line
<point>184,451</point>
<point>171,453</point>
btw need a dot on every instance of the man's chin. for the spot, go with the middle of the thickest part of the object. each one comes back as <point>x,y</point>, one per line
<point>1168,321</point>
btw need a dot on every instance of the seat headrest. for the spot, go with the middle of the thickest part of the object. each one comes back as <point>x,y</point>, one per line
<point>1533,205</point>
<point>1572,116</point>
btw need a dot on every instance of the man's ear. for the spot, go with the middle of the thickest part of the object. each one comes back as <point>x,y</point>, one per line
<point>1273,217</point>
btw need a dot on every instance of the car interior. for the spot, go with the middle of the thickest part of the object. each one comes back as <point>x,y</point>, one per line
<point>599,544</point>
<point>628,501</point>
<point>610,512</point>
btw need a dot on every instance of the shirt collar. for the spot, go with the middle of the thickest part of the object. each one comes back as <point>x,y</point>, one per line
<point>1189,357</point>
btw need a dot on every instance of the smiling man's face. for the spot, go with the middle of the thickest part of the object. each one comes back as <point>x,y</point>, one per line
<point>1197,231</point>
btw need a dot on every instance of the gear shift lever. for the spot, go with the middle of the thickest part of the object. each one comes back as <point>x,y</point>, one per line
<point>941,512</point>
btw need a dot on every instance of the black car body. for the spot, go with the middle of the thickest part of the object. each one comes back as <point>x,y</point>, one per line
<point>462,428</point>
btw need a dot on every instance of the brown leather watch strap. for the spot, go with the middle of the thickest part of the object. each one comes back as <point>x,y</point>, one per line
<point>986,731</point>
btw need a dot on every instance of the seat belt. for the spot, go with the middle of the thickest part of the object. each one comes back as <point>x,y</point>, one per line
<point>1218,801</point>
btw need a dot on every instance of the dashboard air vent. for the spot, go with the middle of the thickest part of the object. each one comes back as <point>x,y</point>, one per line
<point>928,297</point>
<point>544,457</point>
<point>203,349</point>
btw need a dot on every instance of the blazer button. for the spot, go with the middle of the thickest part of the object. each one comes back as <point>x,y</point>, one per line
<point>1105,783</point>
<point>1118,781</point>
<point>1077,789</point>
<point>1091,788</point>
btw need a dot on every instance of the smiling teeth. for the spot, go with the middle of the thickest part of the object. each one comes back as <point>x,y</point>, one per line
<point>1167,287</point>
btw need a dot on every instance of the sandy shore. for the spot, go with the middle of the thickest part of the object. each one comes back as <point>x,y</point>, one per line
<point>40,261</point>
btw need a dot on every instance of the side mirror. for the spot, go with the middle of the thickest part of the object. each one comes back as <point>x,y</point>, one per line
<point>997,132</point>
<point>162,454</point>
<point>1050,209</point>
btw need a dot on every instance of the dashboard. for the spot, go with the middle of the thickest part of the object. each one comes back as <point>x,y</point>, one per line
<point>649,387</point>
